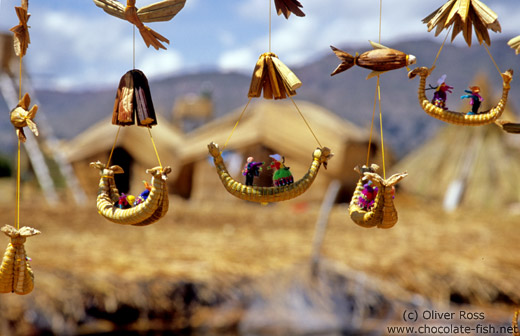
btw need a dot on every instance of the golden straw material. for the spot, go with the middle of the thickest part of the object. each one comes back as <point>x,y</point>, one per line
<point>160,11</point>
<point>148,212</point>
<point>269,194</point>
<point>515,44</point>
<point>286,7</point>
<point>273,77</point>
<point>21,30</point>
<point>21,116</point>
<point>458,118</point>
<point>16,275</point>
<point>463,15</point>
<point>516,331</point>
<point>383,213</point>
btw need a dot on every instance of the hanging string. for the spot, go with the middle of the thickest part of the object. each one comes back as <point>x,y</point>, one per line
<point>306,123</point>
<point>18,189</point>
<point>493,60</point>
<point>236,124</point>
<point>380,18</point>
<point>133,47</point>
<point>270,13</point>
<point>18,172</point>
<point>371,128</point>
<point>381,127</point>
<point>154,148</point>
<point>441,47</point>
<point>113,146</point>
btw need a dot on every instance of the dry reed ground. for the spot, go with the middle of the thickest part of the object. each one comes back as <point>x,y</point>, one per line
<point>471,256</point>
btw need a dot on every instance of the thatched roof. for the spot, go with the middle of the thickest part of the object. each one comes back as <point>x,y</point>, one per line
<point>467,166</point>
<point>100,137</point>
<point>277,125</point>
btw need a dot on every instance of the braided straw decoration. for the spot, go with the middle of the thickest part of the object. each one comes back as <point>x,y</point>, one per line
<point>16,275</point>
<point>457,118</point>
<point>148,212</point>
<point>269,194</point>
<point>383,213</point>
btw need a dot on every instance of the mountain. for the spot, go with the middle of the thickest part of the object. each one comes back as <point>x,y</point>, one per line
<point>348,94</point>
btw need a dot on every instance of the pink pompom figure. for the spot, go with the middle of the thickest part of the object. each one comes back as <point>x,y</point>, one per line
<point>369,196</point>
<point>440,95</point>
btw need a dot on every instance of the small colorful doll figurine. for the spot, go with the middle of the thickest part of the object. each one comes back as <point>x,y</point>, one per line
<point>369,196</point>
<point>281,176</point>
<point>251,169</point>
<point>144,195</point>
<point>125,201</point>
<point>439,97</point>
<point>475,97</point>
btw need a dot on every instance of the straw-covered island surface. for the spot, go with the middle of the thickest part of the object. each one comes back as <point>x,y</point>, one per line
<point>92,274</point>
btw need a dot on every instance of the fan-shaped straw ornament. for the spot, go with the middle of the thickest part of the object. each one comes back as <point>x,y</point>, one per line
<point>464,15</point>
<point>16,275</point>
<point>21,30</point>
<point>273,77</point>
<point>159,11</point>
<point>286,7</point>
<point>383,213</point>
<point>22,116</point>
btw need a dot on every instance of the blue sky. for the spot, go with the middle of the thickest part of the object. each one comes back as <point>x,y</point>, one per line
<point>76,45</point>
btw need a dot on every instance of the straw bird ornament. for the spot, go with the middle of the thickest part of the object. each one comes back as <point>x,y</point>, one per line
<point>382,213</point>
<point>21,117</point>
<point>21,30</point>
<point>159,11</point>
<point>269,194</point>
<point>463,15</point>
<point>286,7</point>
<point>151,210</point>
<point>458,118</point>
<point>16,275</point>
<point>380,59</point>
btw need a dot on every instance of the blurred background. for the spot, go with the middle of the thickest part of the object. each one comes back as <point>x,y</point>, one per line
<point>216,265</point>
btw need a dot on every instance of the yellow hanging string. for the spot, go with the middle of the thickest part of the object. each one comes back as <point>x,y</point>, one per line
<point>306,123</point>
<point>270,14</point>
<point>441,47</point>
<point>154,148</point>
<point>371,128</point>
<point>18,189</point>
<point>493,60</point>
<point>381,127</point>
<point>236,124</point>
<point>113,147</point>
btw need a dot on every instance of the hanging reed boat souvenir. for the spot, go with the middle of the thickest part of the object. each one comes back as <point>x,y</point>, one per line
<point>133,106</point>
<point>464,16</point>
<point>272,79</point>
<point>372,204</point>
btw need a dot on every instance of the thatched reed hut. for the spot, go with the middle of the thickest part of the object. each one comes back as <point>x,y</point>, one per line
<point>470,167</point>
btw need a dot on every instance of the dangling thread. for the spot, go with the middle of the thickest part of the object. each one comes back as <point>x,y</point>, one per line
<point>306,123</point>
<point>270,14</point>
<point>493,60</point>
<point>113,147</point>
<point>371,128</point>
<point>381,127</point>
<point>155,148</point>
<point>236,124</point>
<point>441,47</point>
